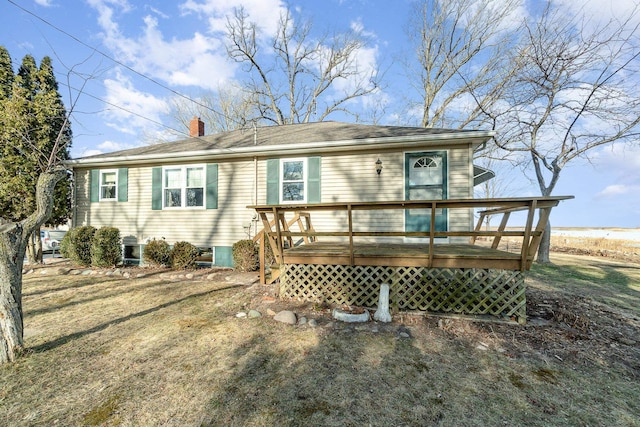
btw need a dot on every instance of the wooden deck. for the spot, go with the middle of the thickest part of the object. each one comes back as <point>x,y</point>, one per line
<point>403,255</point>
<point>439,274</point>
<point>344,246</point>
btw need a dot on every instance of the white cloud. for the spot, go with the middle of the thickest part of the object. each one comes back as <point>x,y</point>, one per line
<point>618,190</point>
<point>622,159</point>
<point>45,3</point>
<point>198,61</point>
<point>600,12</point>
<point>266,13</point>
<point>138,110</point>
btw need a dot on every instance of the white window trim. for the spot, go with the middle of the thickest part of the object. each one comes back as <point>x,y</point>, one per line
<point>183,187</point>
<point>111,199</point>
<point>305,179</point>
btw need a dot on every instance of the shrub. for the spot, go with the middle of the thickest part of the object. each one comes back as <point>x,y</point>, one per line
<point>157,253</point>
<point>245,255</point>
<point>184,256</point>
<point>76,245</point>
<point>269,257</point>
<point>106,248</point>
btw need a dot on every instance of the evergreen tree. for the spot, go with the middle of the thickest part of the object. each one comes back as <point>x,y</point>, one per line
<point>6,74</point>
<point>31,117</point>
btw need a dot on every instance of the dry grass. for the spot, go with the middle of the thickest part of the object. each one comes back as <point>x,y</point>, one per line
<point>151,351</point>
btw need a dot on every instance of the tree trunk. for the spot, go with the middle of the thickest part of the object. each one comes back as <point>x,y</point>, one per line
<point>545,245</point>
<point>13,243</point>
<point>34,248</point>
<point>12,248</point>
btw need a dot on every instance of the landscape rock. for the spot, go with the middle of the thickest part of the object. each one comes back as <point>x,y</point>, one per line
<point>271,312</point>
<point>350,317</point>
<point>286,316</point>
<point>302,321</point>
<point>189,276</point>
<point>253,314</point>
<point>313,323</point>
<point>241,315</point>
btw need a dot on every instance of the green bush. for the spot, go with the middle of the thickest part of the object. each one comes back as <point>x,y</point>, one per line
<point>245,255</point>
<point>184,256</point>
<point>76,245</point>
<point>157,253</point>
<point>106,248</point>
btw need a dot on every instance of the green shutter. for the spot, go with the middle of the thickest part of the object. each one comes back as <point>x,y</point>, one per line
<point>313,180</point>
<point>212,186</point>
<point>273,181</point>
<point>94,185</point>
<point>123,184</point>
<point>156,189</point>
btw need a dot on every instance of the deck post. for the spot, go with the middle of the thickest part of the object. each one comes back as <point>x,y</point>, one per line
<point>350,220</point>
<point>526,241</point>
<point>501,228</point>
<point>263,280</point>
<point>432,232</point>
<point>279,242</point>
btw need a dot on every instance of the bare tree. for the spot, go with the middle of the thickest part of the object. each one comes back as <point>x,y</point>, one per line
<point>576,90</point>
<point>226,109</point>
<point>301,78</point>
<point>461,51</point>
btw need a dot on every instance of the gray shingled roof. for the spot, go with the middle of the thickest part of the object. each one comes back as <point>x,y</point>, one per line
<point>284,135</point>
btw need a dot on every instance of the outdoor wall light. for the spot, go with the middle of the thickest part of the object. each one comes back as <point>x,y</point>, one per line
<point>378,166</point>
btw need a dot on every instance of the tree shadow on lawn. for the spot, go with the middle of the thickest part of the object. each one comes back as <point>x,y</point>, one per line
<point>356,378</point>
<point>100,294</point>
<point>76,335</point>
<point>45,280</point>
<point>618,284</point>
<point>341,381</point>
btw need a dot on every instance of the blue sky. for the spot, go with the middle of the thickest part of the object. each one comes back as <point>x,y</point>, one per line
<point>179,46</point>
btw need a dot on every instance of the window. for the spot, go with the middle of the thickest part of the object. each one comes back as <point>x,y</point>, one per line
<point>293,179</point>
<point>109,185</point>
<point>183,187</point>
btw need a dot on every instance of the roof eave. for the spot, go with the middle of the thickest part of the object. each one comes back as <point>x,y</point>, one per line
<point>473,137</point>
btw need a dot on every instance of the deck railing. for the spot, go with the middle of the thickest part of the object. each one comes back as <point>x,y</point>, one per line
<point>280,235</point>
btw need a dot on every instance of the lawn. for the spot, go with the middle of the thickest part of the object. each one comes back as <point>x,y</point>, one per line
<point>166,350</point>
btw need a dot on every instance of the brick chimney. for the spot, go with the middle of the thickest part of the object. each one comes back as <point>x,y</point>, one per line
<point>196,127</point>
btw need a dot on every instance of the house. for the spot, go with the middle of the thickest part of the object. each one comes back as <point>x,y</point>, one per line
<point>198,189</point>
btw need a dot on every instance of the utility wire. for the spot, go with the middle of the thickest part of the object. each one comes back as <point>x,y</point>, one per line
<point>109,57</point>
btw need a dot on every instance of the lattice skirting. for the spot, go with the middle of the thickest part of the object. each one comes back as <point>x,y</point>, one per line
<point>447,290</point>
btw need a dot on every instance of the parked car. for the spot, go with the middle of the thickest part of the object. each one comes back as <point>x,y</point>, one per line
<point>51,239</point>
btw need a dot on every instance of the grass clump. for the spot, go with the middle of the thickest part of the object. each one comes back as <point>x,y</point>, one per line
<point>100,414</point>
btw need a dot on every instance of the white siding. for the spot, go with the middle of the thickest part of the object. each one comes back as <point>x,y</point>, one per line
<point>202,227</point>
<point>344,178</point>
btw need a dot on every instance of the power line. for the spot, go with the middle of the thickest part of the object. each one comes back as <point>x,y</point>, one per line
<point>109,57</point>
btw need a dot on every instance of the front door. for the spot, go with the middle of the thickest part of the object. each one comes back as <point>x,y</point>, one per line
<point>425,179</point>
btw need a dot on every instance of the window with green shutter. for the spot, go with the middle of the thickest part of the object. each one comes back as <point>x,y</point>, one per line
<point>293,180</point>
<point>184,187</point>
<point>108,185</point>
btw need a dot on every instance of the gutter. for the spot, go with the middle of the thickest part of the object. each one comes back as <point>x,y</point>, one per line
<point>477,137</point>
